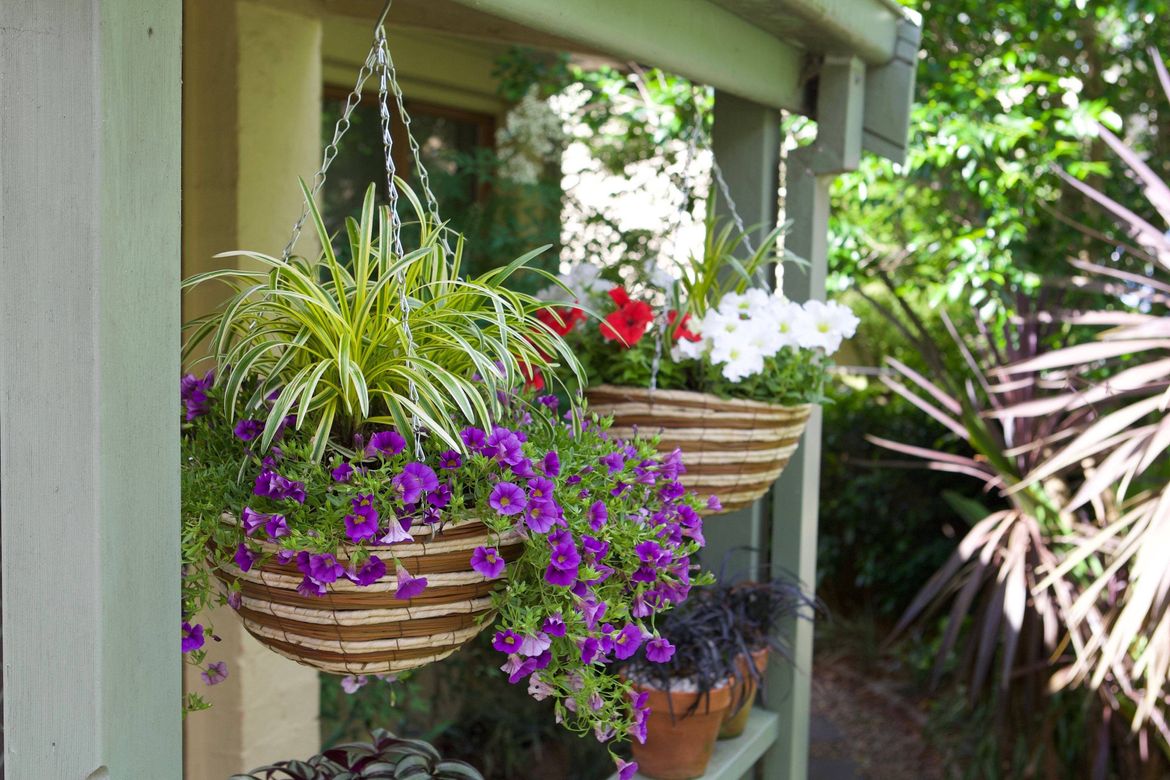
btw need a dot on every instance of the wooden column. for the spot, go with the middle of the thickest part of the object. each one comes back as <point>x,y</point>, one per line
<point>746,142</point>
<point>810,173</point>
<point>89,418</point>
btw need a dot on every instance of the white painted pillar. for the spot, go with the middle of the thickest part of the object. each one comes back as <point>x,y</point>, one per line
<point>252,125</point>
<point>89,424</point>
<point>810,173</point>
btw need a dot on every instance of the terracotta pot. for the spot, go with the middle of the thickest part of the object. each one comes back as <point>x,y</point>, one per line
<point>743,696</point>
<point>679,747</point>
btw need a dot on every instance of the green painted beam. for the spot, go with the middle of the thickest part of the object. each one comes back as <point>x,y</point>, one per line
<point>865,28</point>
<point>89,424</point>
<point>694,38</point>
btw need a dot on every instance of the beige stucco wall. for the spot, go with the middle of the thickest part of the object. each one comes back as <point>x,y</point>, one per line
<point>252,103</point>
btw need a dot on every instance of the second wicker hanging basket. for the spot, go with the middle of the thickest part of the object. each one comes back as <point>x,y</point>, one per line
<point>735,449</point>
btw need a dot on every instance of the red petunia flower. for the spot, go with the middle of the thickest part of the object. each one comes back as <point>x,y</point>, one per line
<point>629,322</point>
<point>560,318</point>
<point>681,331</point>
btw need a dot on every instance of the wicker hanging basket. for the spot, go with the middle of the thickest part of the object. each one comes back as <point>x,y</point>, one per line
<point>735,449</point>
<point>367,630</point>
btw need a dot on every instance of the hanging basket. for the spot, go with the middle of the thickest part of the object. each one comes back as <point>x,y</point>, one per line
<point>735,449</point>
<point>367,630</point>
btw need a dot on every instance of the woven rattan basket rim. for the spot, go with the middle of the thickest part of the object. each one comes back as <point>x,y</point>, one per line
<point>684,397</point>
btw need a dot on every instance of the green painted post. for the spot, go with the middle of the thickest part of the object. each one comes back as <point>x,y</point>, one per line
<point>89,337</point>
<point>746,142</point>
<point>810,173</point>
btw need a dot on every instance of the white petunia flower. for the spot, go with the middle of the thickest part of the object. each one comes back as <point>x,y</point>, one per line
<point>825,325</point>
<point>742,361</point>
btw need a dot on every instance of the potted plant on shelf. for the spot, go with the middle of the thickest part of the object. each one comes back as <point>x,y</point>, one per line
<point>756,611</point>
<point>368,487</point>
<point>715,363</point>
<point>385,756</point>
<point>690,690</point>
<point>721,639</point>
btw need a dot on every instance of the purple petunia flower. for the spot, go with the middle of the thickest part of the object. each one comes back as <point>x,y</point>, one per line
<point>246,430</point>
<point>250,519</point>
<point>386,443</point>
<point>363,504</point>
<point>523,469</point>
<point>321,569</point>
<point>614,461</point>
<point>359,527</point>
<point>473,438</point>
<point>565,556</point>
<point>535,644</point>
<point>619,489</point>
<point>415,479</point>
<point>626,769</point>
<point>659,650</point>
<point>562,578</point>
<point>235,599</point>
<point>503,447</point>
<point>551,401</point>
<point>395,533</point>
<point>506,641</point>
<point>284,556</point>
<point>595,547</point>
<point>352,683</point>
<point>244,557</point>
<point>507,499</point>
<point>409,586</point>
<point>310,588</point>
<point>589,648</point>
<point>273,457</point>
<point>450,460</point>
<point>714,504</point>
<point>215,673</point>
<point>342,473</point>
<point>651,553</point>
<point>627,641</point>
<point>541,516</point>
<point>592,610</point>
<point>554,625</point>
<point>672,491</point>
<point>373,570</point>
<point>269,484</point>
<point>573,479</point>
<point>193,393</point>
<point>551,464</point>
<point>276,527</point>
<point>440,497</point>
<point>538,689</point>
<point>488,562</point>
<point>598,515</point>
<point>192,637</point>
<point>540,489</point>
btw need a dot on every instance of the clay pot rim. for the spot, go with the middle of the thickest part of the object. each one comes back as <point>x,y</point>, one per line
<point>719,698</point>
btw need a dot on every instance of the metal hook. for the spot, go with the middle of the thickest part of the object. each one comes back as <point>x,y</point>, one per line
<point>382,17</point>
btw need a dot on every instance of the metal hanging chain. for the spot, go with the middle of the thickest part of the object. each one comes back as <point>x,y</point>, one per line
<point>385,80</point>
<point>687,190</point>
<point>717,172</point>
<point>330,153</point>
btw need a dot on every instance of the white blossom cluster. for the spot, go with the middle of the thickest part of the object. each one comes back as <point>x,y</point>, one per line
<point>584,282</point>
<point>745,329</point>
<point>533,136</point>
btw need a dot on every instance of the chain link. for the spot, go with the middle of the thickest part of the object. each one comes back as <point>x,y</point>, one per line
<point>385,80</point>
<point>330,153</point>
<point>726,191</point>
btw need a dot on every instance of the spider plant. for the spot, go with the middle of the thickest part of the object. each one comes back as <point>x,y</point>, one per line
<point>389,337</point>
<point>705,278</point>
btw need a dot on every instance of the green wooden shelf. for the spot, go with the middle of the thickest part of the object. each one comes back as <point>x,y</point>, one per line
<point>733,758</point>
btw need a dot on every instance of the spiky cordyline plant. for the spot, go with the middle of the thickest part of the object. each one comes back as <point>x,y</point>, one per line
<point>1121,619</point>
<point>342,344</point>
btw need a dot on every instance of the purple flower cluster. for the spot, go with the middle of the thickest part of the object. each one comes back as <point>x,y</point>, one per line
<point>193,393</point>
